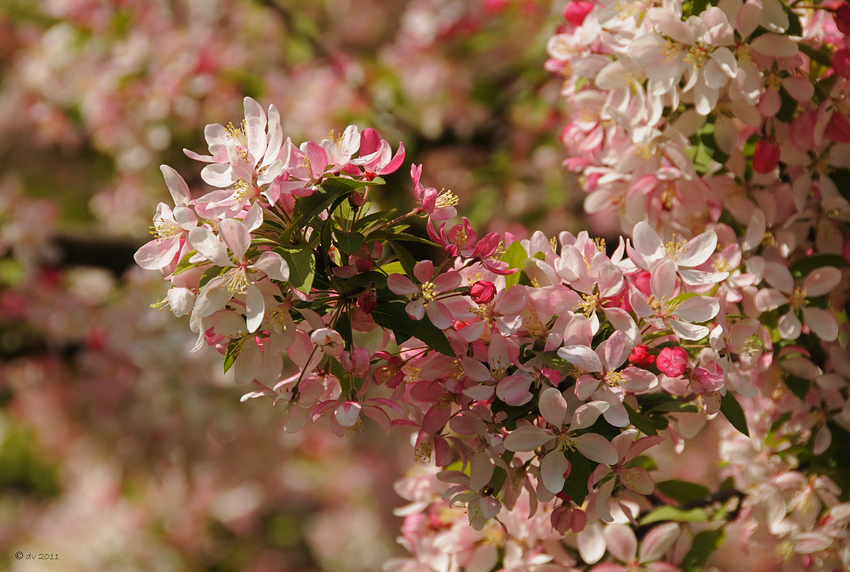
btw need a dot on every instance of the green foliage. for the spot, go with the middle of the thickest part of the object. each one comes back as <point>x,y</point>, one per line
<point>704,545</point>
<point>683,492</point>
<point>666,513</point>
<point>514,255</point>
<point>734,413</point>
<point>302,266</point>
<point>392,316</point>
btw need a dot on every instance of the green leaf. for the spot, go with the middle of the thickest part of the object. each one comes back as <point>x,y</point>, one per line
<point>308,208</point>
<point>580,471</point>
<point>799,386</point>
<point>343,326</point>
<point>405,258</point>
<point>349,242</point>
<point>642,422</point>
<point>514,256</point>
<point>393,268</point>
<point>302,266</point>
<point>371,219</point>
<point>822,55</point>
<point>185,265</point>
<point>674,407</point>
<point>732,410</point>
<point>209,275</point>
<point>393,316</point>
<point>555,362</point>
<point>365,280</point>
<point>795,28</point>
<point>644,462</point>
<point>677,514</point>
<point>229,356</point>
<point>683,492</point>
<point>788,108</point>
<point>704,544</point>
<point>809,264</point>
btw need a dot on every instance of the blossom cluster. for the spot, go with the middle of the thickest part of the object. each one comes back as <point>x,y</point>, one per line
<point>537,373</point>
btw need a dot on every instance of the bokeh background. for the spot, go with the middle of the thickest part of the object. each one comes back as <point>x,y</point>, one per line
<point>119,449</point>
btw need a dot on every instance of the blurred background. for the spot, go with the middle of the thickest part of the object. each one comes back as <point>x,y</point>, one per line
<point>120,450</point>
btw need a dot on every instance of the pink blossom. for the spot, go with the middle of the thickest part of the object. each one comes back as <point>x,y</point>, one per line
<point>672,361</point>
<point>766,156</point>
<point>482,292</point>
<point>576,12</point>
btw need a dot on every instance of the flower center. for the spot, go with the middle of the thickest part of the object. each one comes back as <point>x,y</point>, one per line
<point>798,298</point>
<point>429,291</point>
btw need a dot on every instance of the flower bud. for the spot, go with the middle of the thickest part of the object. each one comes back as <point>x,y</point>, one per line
<point>841,62</point>
<point>766,156</point>
<point>672,361</point>
<point>839,128</point>
<point>576,12</point>
<point>482,292</point>
<point>842,18</point>
<point>641,357</point>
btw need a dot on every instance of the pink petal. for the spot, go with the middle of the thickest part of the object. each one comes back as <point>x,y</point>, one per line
<point>597,448</point>
<point>621,542</point>
<point>553,407</point>
<point>552,469</point>
<point>235,235</point>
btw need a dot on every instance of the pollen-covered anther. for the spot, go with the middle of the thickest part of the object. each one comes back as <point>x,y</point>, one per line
<point>236,281</point>
<point>588,306</point>
<point>721,265</point>
<point>600,244</point>
<point>446,199</point>
<point>671,51</point>
<point>163,229</point>
<point>798,298</point>
<point>429,291</point>
<point>675,249</point>
<point>696,57</point>
<point>565,443</point>
<point>614,378</point>
<point>646,151</point>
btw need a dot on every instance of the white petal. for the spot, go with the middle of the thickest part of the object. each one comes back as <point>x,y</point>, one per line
<point>582,357</point>
<point>553,407</point>
<point>697,309</point>
<point>254,308</point>
<point>698,249</point>
<point>822,323</point>
<point>527,438</point>
<point>789,326</point>
<point>597,448</point>
<point>552,469</point>
<point>822,281</point>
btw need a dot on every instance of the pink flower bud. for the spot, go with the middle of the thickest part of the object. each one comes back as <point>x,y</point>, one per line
<point>842,18</point>
<point>672,361</point>
<point>766,156</point>
<point>841,62</point>
<point>577,11</point>
<point>838,128</point>
<point>707,379</point>
<point>482,292</point>
<point>641,357</point>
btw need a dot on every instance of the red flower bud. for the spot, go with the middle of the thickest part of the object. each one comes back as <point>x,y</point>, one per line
<point>641,357</point>
<point>672,361</point>
<point>841,62</point>
<point>842,18</point>
<point>577,11</point>
<point>766,156</point>
<point>482,292</point>
<point>838,128</point>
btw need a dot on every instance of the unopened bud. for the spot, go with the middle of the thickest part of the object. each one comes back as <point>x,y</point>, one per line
<point>482,292</point>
